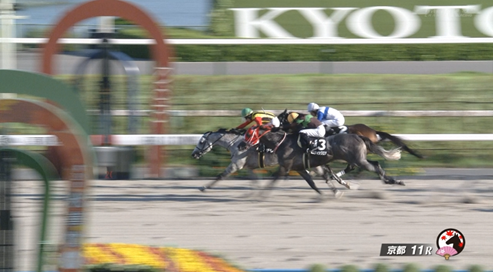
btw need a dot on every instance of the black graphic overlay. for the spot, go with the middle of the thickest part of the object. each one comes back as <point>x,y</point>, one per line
<point>406,250</point>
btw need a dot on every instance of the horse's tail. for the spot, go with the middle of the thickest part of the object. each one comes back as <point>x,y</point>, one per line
<point>398,141</point>
<point>392,155</point>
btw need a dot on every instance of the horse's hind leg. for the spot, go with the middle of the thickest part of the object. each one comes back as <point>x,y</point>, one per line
<point>374,166</point>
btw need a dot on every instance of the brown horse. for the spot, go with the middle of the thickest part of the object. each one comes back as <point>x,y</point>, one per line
<point>377,136</point>
<point>363,130</point>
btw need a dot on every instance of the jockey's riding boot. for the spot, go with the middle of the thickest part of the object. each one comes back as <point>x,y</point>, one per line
<point>329,131</point>
<point>305,141</point>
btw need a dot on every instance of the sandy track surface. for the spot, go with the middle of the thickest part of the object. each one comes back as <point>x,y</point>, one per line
<point>290,229</point>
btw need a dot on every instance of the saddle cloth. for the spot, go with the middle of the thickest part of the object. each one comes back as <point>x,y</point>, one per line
<point>317,146</point>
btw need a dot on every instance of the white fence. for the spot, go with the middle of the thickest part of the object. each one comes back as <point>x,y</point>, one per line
<point>192,139</point>
<point>457,40</point>
<point>358,113</point>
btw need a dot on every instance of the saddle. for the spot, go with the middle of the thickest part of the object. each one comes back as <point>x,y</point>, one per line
<point>335,130</point>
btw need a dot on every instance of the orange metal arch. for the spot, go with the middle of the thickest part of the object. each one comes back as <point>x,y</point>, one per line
<point>96,8</point>
<point>160,51</point>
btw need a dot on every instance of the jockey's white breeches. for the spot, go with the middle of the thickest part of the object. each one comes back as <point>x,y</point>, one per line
<point>314,132</point>
<point>334,122</point>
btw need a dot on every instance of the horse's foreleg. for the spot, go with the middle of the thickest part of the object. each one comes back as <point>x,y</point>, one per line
<point>329,175</point>
<point>281,172</point>
<point>254,178</point>
<point>309,180</point>
<point>350,167</point>
<point>226,173</point>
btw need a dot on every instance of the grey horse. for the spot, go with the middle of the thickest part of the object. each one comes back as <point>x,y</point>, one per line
<point>250,159</point>
<point>351,148</point>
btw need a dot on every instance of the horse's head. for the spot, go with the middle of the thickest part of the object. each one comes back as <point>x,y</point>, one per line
<point>283,117</point>
<point>203,146</point>
<point>222,137</point>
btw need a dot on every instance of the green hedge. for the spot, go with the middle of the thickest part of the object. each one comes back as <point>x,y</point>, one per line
<point>422,52</point>
<point>385,52</point>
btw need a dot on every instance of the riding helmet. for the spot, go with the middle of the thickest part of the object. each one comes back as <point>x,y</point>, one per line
<point>313,107</point>
<point>245,112</point>
<point>292,116</point>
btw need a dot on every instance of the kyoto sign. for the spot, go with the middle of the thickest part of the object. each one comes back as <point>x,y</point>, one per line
<point>373,22</point>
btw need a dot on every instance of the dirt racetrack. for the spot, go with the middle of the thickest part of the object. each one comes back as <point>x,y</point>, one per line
<point>288,230</point>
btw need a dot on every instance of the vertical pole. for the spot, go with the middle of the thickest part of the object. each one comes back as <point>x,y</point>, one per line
<point>6,13</point>
<point>44,225</point>
<point>105,94</point>
<point>6,224</point>
<point>7,32</point>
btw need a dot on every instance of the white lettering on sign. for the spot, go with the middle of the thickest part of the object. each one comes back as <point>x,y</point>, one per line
<point>323,26</point>
<point>406,23</point>
<point>448,18</point>
<point>249,24</point>
<point>484,21</point>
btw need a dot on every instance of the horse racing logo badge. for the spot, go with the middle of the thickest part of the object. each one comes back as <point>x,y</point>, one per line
<point>450,242</point>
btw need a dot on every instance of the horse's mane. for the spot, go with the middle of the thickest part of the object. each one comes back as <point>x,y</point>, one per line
<point>232,131</point>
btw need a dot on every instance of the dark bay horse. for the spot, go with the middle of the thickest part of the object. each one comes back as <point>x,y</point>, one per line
<point>250,159</point>
<point>351,148</point>
<point>363,130</point>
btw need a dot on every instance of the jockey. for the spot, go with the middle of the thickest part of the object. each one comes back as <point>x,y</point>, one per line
<point>306,124</point>
<point>259,117</point>
<point>330,117</point>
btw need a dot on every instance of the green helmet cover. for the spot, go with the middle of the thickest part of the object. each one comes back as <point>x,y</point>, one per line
<point>245,112</point>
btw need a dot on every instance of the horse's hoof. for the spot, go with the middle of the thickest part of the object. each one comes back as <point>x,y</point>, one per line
<point>321,198</point>
<point>338,194</point>
<point>400,183</point>
<point>202,189</point>
<point>353,186</point>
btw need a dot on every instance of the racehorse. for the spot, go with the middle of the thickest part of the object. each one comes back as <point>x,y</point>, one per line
<point>351,148</point>
<point>251,159</point>
<point>363,130</point>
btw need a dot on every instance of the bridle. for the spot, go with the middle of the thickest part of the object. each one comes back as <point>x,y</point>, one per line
<point>209,145</point>
<point>205,137</point>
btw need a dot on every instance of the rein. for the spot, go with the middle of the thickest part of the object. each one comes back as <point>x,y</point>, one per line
<point>279,144</point>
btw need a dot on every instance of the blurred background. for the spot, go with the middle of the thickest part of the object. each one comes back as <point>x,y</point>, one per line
<point>420,68</point>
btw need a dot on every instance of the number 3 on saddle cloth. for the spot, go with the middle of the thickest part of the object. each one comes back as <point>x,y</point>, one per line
<point>316,146</point>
